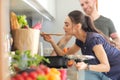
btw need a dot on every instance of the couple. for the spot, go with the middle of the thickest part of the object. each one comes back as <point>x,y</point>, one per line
<point>91,42</point>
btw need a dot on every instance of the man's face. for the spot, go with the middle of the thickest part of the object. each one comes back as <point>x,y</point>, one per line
<point>88,6</point>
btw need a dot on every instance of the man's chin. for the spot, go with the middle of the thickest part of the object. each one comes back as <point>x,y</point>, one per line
<point>88,13</point>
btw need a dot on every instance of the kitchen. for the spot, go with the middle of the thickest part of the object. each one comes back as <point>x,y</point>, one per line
<point>5,6</point>
<point>53,26</point>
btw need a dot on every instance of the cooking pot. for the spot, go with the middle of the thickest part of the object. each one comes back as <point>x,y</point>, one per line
<point>57,61</point>
<point>62,61</point>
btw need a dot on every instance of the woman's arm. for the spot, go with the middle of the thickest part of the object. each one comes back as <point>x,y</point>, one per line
<point>101,56</point>
<point>60,52</point>
<point>57,49</point>
<point>63,41</point>
<point>74,49</point>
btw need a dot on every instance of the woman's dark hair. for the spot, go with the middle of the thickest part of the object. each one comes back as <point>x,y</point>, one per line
<point>77,16</point>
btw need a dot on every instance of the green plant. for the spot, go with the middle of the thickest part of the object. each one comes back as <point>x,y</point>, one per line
<point>24,60</point>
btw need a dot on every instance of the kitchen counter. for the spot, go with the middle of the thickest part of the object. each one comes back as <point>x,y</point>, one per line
<point>73,74</point>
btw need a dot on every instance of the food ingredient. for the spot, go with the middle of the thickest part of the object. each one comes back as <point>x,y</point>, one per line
<point>24,60</point>
<point>22,21</point>
<point>14,21</point>
<point>52,74</point>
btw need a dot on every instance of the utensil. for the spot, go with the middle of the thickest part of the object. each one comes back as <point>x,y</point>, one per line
<point>54,34</point>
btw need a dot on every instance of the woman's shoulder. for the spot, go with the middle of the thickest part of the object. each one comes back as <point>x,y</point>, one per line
<point>93,34</point>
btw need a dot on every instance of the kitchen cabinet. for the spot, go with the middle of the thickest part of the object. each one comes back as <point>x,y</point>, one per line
<point>34,8</point>
<point>49,5</point>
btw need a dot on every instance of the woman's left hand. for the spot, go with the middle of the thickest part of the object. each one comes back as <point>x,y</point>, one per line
<point>81,66</point>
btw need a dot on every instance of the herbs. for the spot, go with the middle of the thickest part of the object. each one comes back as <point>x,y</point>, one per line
<point>24,60</point>
<point>22,21</point>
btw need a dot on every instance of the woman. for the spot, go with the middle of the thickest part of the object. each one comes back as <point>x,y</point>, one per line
<point>91,42</point>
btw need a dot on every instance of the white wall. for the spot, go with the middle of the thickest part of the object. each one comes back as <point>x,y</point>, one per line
<point>110,9</point>
<point>63,7</point>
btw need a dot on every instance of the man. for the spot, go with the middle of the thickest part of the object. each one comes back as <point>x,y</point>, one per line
<point>102,23</point>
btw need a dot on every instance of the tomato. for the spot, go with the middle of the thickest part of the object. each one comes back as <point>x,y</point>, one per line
<point>40,72</point>
<point>28,78</point>
<point>19,77</point>
<point>70,63</point>
<point>24,74</point>
<point>12,78</point>
<point>33,75</point>
<point>46,70</point>
<point>63,74</point>
<point>65,50</point>
<point>42,66</point>
<point>33,67</point>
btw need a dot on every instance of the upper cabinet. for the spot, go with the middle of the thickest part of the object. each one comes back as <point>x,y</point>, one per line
<point>34,8</point>
<point>49,5</point>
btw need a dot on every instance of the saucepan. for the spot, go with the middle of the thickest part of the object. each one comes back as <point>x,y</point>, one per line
<point>67,60</point>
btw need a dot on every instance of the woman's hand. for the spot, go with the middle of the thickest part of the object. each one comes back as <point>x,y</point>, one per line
<point>46,37</point>
<point>81,66</point>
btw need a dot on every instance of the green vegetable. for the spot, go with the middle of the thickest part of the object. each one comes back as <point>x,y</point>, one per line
<point>22,20</point>
<point>24,60</point>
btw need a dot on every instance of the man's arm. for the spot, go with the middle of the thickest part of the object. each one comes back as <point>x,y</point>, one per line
<point>63,41</point>
<point>116,38</point>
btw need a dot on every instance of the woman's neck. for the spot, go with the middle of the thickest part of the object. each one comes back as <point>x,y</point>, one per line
<point>82,36</point>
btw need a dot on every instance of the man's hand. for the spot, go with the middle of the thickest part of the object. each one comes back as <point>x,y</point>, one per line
<point>116,39</point>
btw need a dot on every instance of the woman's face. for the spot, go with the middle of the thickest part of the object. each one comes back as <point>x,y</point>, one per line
<point>68,26</point>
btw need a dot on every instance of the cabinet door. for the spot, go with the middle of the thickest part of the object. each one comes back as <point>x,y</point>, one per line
<point>49,5</point>
<point>45,8</point>
<point>4,31</point>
